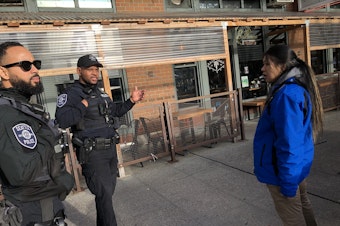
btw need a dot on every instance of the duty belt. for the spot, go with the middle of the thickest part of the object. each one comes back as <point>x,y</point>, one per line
<point>100,143</point>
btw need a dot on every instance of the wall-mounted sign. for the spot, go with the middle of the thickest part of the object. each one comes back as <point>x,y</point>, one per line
<point>309,4</point>
<point>245,36</point>
<point>216,65</point>
<point>244,81</point>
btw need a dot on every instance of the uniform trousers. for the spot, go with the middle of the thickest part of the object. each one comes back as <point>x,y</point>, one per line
<point>293,211</point>
<point>32,213</point>
<point>100,172</point>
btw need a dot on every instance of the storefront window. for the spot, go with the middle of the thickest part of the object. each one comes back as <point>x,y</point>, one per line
<point>319,61</point>
<point>250,55</point>
<point>232,4</point>
<point>336,59</point>
<point>117,91</point>
<point>214,4</point>
<point>11,3</point>
<point>208,4</point>
<point>252,81</point>
<point>252,4</point>
<point>56,3</point>
<point>177,4</point>
<point>216,74</point>
<point>186,80</point>
<point>72,3</point>
<point>95,4</point>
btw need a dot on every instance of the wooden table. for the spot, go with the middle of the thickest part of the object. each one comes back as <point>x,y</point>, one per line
<point>185,116</point>
<point>256,103</point>
<point>190,113</point>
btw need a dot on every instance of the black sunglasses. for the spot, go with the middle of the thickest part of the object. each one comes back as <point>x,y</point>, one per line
<point>25,65</point>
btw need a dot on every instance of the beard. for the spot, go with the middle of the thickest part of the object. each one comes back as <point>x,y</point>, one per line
<point>27,88</point>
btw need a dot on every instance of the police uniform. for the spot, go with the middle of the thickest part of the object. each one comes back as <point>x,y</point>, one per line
<point>94,129</point>
<point>30,169</point>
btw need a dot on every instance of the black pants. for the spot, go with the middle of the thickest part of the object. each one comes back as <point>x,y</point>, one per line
<point>100,173</point>
<point>31,211</point>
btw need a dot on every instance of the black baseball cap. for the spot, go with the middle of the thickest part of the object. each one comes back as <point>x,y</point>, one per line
<point>88,61</point>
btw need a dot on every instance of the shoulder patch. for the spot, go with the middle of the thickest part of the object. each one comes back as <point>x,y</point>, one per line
<point>61,100</point>
<point>25,135</point>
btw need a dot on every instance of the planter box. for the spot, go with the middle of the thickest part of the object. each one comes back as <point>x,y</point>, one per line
<point>329,86</point>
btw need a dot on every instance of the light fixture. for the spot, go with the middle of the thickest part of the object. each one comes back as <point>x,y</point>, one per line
<point>176,2</point>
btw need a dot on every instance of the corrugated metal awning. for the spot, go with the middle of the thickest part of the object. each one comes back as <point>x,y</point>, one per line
<point>21,18</point>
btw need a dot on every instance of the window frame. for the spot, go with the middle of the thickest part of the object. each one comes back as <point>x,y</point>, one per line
<point>195,6</point>
<point>13,7</point>
<point>9,4</point>
<point>196,78</point>
<point>33,7</point>
<point>76,8</point>
<point>319,58</point>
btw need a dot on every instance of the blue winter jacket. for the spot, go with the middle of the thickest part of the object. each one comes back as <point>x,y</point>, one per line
<point>283,142</point>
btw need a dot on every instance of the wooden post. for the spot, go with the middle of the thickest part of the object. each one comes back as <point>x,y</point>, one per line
<point>121,169</point>
<point>228,79</point>
<point>72,165</point>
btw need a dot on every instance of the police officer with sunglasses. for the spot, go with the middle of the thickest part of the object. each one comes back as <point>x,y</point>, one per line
<point>33,179</point>
<point>91,115</point>
<point>25,65</point>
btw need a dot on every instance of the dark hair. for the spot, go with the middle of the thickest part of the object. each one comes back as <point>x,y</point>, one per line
<point>5,45</point>
<point>283,55</point>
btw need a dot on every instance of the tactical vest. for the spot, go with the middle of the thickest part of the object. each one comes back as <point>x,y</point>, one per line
<point>98,114</point>
<point>36,111</point>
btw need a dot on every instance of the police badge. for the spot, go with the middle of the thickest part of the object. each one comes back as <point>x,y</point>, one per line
<point>25,135</point>
<point>61,100</point>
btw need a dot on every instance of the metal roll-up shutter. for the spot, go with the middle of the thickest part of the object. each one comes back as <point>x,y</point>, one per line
<point>324,34</point>
<point>250,53</point>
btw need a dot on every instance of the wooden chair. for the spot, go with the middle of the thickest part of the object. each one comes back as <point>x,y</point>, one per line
<point>217,119</point>
<point>134,147</point>
<point>154,136</point>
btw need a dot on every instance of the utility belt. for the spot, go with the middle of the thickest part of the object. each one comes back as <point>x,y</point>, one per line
<point>100,143</point>
<point>86,146</point>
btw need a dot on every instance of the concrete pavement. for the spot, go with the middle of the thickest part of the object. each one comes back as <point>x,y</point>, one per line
<point>215,187</point>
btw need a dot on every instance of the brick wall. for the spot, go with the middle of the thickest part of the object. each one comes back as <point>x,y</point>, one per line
<point>158,83</point>
<point>139,6</point>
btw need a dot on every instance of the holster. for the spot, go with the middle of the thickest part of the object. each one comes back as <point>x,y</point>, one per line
<point>86,146</point>
<point>82,154</point>
<point>83,149</point>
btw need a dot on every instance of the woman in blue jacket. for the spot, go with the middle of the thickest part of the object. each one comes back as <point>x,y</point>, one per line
<point>285,134</point>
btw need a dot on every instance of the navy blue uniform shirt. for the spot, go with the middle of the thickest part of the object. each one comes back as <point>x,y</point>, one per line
<point>96,120</point>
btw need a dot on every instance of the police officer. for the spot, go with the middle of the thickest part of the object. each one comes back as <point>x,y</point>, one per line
<point>90,113</point>
<point>33,179</point>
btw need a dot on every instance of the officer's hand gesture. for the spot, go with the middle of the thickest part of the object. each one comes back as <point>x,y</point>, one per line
<point>137,95</point>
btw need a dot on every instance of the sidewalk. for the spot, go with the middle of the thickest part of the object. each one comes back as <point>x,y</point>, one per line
<point>215,187</point>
